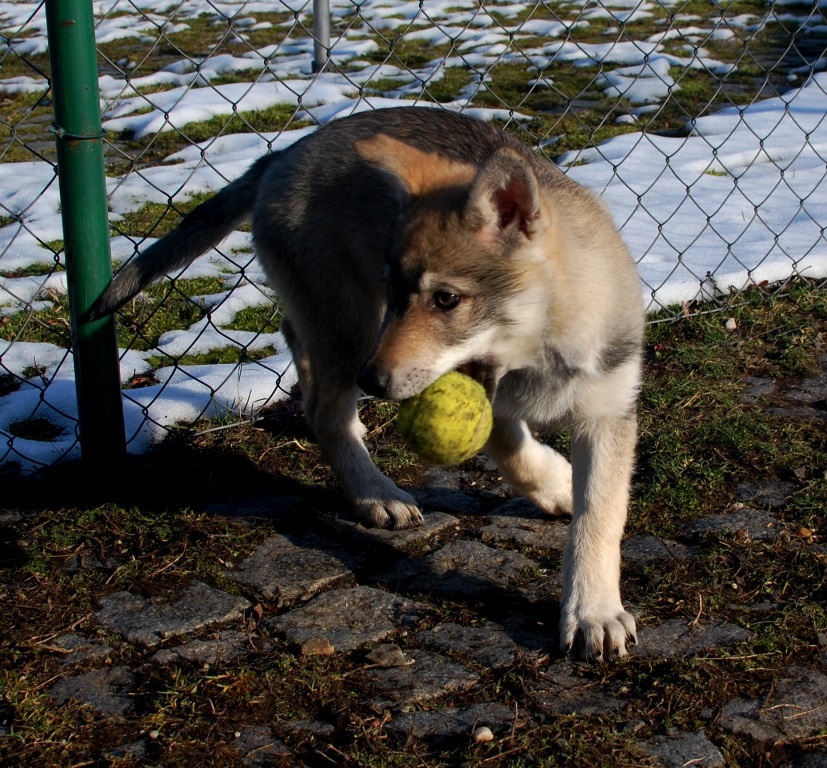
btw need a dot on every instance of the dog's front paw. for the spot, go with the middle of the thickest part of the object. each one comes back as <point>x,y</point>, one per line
<point>596,638</point>
<point>396,511</point>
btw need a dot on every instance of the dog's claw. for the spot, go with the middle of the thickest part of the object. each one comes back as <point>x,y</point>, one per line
<point>595,639</point>
<point>394,513</point>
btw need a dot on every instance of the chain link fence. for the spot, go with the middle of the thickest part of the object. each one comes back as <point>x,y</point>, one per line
<point>702,124</point>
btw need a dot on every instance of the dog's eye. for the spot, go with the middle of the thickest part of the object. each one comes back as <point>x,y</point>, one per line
<point>446,300</point>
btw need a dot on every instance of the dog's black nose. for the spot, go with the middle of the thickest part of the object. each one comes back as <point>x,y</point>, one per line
<point>372,381</point>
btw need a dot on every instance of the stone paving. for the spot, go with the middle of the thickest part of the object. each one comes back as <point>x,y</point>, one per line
<point>345,589</point>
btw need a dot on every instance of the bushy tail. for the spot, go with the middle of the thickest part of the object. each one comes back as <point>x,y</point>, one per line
<point>201,229</point>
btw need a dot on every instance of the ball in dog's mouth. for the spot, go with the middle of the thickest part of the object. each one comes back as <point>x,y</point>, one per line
<point>449,421</point>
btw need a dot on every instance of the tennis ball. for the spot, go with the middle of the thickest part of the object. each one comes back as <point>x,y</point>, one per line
<point>449,421</point>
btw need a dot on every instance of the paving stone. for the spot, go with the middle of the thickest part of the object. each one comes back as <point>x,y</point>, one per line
<point>134,750</point>
<point>8,517</point>
<point>813,760</point>
<point>89,562</point>
<point>436,526</point>
<point>544,594</point>
<point>269,507</point>
<point>77,649</point>
<point>757,388</point>
<point>815,386</point>
<point>107,691</point>
<point>438,725</point>
<point>801,412</point>
<point>454,501</point>
<point>438,479</point>
<point>443,478</point>
<point>794,708</point>
<point>807,399</point>
<point>387,655</point>
<point>149,621</point>
<point>488,644</point>
<point>634,727</point>
<point>768,494</point>
<point>291,569</point>
<point>537,533</point>
<point>565,688</point>
<point>536,637</point>
<point>804,400</point>
<point>429,677</point>
<point>677,750</point>
<point>678,637</point>
<point>647,549</point>
<point>522,508</point>
<point>754,524</point>
<point>318,729</point>
<point>473,570</point>
<point>216,650</point>
<point>447,489</point>
<point>258,748</point>
<point>348,618</point>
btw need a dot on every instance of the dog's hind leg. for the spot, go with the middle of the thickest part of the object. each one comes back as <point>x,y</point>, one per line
<point>534,470</point>
<point>327,376</point>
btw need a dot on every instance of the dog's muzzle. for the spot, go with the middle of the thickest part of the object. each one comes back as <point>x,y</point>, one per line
<point>375,382</point>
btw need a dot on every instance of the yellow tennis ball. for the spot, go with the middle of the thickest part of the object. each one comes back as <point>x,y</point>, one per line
<point>449,421</point>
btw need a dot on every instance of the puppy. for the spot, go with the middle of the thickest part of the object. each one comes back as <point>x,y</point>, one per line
<point>405,243</point>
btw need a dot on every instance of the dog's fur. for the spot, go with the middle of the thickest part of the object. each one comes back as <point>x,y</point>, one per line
<point>408,242</point>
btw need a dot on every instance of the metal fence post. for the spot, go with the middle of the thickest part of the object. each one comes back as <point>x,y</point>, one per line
<point>79,140</point>
<point>321,34</point>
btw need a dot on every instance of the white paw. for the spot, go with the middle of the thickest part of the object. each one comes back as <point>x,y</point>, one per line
<point>596,638</point>
<point>397,511</point>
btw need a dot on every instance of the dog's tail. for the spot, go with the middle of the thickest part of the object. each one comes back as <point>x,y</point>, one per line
<point>201,229</point>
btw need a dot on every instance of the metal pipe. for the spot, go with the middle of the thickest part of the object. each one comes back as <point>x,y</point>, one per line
<point>321,34</point>
<point>79,140</point>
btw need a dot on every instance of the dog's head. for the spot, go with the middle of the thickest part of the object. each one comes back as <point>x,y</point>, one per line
<point>469,281</point>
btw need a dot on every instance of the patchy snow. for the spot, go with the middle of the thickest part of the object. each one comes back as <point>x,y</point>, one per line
<point>741,200</point>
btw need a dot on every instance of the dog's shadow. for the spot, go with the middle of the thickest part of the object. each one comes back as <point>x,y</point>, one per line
<point>460,579</point>
<point>186,475</point>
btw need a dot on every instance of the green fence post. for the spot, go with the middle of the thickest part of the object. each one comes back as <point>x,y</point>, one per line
<point>79,139</point>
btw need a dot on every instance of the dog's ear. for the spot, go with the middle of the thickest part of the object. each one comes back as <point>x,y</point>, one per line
<point>505,197</point>
<point>420,172</point>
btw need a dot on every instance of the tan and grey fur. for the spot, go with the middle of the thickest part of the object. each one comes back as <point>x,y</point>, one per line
<point>405,243</point>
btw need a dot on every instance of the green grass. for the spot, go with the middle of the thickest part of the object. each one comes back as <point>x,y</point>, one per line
<point>266,319</point>
<point>157,219</point>
<point>227,355</point>
<point>694,387</point>
<point>267,120</point>
<point>35,270</point>
<point>47,325</point>
<point>163,307</point>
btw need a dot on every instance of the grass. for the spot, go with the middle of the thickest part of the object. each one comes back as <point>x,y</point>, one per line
<point>775,338</point>
<point>700,439</point>
<point>156,219</point>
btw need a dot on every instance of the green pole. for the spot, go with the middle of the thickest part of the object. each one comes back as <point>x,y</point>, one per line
<point>79,139</point>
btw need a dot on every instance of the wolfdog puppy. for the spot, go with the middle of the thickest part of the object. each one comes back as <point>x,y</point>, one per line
<point>405,243</point>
